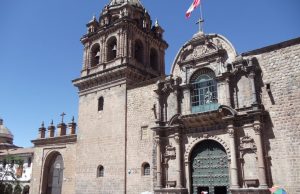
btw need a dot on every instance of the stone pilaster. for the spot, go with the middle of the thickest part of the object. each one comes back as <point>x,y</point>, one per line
<point>178,161</point>
<point>257,126</point>
<point>252,80</point>
<point>233,163</point>
<point>158,163</point>
<point>227,85</point>
<point>187,101</point>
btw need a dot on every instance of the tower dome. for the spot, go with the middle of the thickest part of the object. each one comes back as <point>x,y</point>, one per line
<point>6,137</point>
<point>120,2</point>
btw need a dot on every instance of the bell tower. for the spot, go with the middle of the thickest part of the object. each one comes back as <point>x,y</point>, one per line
<point>121,48</point>
<point>124,41</point>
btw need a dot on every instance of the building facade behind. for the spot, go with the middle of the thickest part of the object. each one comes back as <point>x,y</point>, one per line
<point>221,122</point>
<point>15,164</point>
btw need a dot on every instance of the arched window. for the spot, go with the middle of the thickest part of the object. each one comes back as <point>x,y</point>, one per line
<point>204,96</point>
<point>153,59</point>
<point>100,103</point>
<point>146,169</point>
<point>95,55</point>
<point>139,51</point>
<point>100,171</point>
<point>111,48</point>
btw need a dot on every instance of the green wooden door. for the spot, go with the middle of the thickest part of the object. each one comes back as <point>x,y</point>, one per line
<point>209,166</point>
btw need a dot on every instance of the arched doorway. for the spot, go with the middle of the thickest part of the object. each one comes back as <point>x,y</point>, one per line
<point>53,174</point>
<point>209,168</point>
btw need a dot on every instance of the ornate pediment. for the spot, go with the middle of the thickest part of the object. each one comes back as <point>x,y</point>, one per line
<point>202,49</point>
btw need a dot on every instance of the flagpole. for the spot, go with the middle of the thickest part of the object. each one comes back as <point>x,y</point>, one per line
<point>201,18</point>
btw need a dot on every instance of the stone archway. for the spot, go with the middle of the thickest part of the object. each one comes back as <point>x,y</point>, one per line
<point>53,174</point>
<point>209,168</point>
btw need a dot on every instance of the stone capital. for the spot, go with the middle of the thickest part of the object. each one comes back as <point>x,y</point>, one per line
<point>230,132</point>
<point>230,129</point>
<point>157,140</point>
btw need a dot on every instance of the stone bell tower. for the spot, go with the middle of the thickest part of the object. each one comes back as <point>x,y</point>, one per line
<point>122,48</point>
<point>123,40</point>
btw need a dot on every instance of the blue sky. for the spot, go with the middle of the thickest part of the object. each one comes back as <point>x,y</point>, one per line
<point>40,51</point>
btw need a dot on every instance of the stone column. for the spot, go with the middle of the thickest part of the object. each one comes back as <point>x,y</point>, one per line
<point>233,163</point>
<point>158,163</point>
<point>227,85</point>
<point>254,97</point>
<point>260,155</point>
<point>85,58</point>
<point>178,161</point>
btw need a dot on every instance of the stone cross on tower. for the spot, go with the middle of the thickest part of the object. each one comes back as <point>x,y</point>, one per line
<point>62,117</point>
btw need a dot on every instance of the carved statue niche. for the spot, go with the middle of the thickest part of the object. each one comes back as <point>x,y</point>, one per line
<point>164,89</point>
<point>248,161</point>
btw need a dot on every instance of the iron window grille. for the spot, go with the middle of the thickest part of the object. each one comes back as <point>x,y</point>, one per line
<point>204,95</point>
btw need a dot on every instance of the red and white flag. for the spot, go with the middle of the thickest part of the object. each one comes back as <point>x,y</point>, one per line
<point>195,4</point>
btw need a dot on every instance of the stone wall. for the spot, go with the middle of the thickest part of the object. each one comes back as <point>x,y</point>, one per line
<point>281,69</point>
<point>140,120</point>
<point>69,157</point>
<point>101,141</point>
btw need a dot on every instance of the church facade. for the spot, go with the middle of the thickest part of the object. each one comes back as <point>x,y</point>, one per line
<point>222,122</point>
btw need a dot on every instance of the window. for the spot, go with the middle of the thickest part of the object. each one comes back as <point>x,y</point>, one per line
<point>204,91</point>
<point>100,171</point>
<point>111,49</point>
<point>95,55</point>
<point>144,133</point>
<point>100,103</point>
<point>139,51</point>
<point>153,59</point>
<point>146,169</point>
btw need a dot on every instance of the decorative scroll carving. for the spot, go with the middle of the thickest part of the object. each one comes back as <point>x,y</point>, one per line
<point>170,152</point>
<point>257,129</point>
<point>247,143</point>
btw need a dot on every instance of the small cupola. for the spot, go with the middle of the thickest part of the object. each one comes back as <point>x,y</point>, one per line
<point>157,30</point>
<point>92,26</point>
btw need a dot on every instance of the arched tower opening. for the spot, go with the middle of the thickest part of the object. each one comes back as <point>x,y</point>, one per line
<point>154,59</point>
<point>111,48</point>
<point>139,51</point>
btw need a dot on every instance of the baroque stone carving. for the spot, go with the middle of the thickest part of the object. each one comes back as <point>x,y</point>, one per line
<point>247,143</point>
<point>257,129</point>
<point>230,131</point>
<point>170,152</point>
<point>197,140</point>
